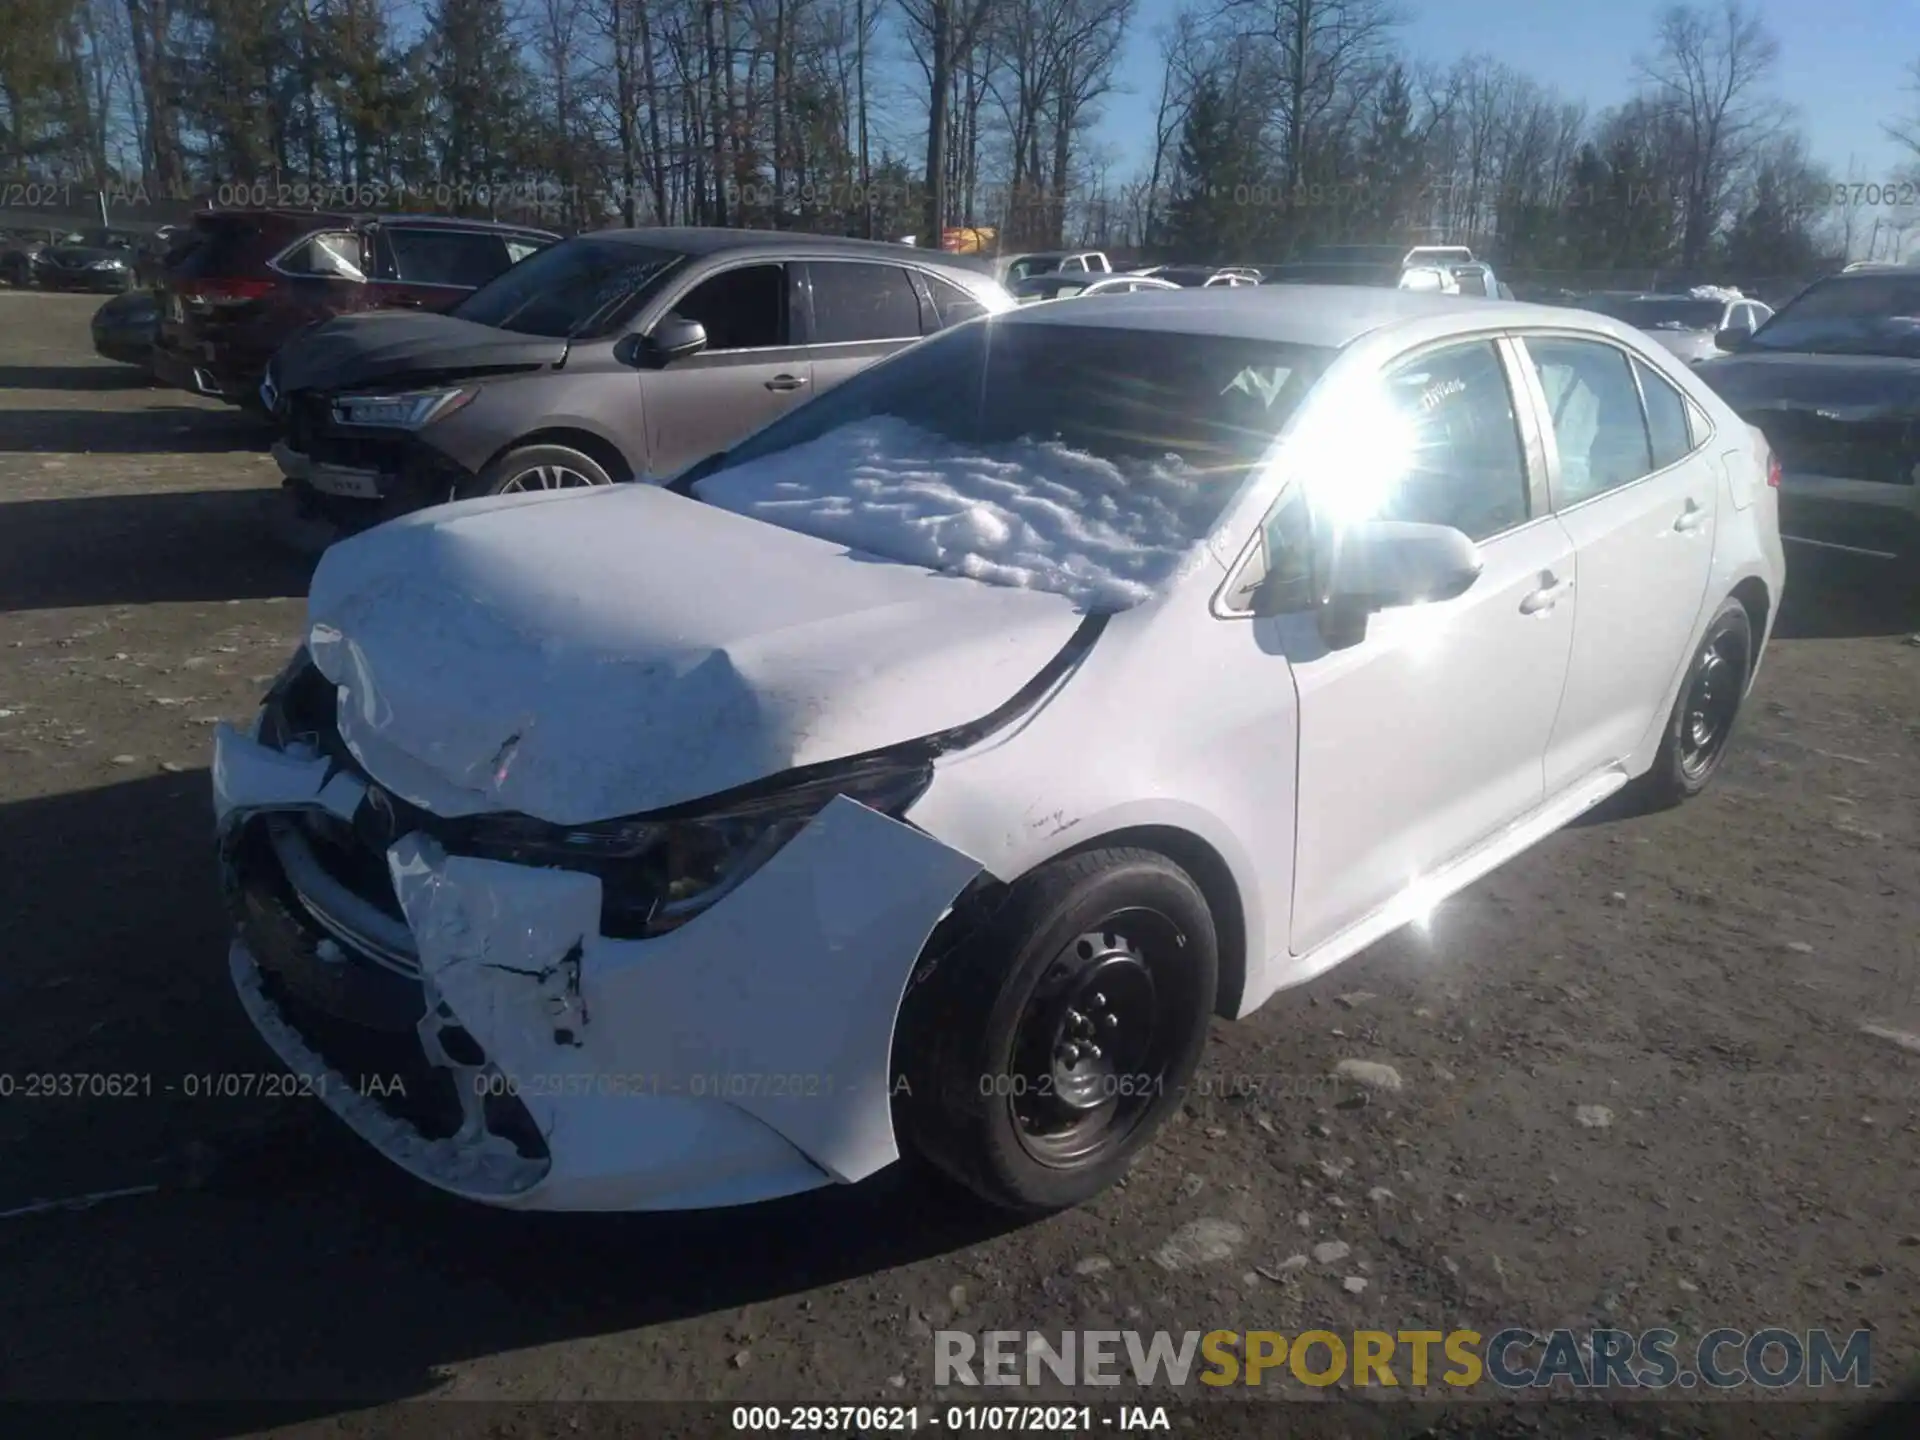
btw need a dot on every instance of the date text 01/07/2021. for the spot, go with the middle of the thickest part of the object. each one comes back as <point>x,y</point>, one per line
<point>978,1419</point>
<point>202,1085</point>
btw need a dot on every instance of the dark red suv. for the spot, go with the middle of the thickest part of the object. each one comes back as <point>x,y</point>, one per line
<point>245,281</point>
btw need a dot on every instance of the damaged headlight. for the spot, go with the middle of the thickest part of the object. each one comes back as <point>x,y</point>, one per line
<point>657,874</point>
<point>405,411</point>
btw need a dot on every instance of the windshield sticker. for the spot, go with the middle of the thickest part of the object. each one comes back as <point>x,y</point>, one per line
<point>1263,382</point>
<point>1434,395</point>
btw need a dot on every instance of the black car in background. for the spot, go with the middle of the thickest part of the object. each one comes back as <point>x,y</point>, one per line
<point>22,253</point>
<point>1833,381</point>
<point>125,328</point>
<point>102,261</point>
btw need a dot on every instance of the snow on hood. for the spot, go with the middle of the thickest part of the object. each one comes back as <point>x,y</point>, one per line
<point>588,655</point>
<point>1032,515</point>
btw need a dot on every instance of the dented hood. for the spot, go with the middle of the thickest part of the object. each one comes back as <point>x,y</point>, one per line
<point>588,655</point>
<point>351,351</point>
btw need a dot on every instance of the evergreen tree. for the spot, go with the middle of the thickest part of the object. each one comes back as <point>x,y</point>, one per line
<point>1773,234</point>
<point>482,117</point>
<point>1219,201</point>
<point>1391,157</point>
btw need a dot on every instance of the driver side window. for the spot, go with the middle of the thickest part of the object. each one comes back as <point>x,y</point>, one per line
<point>1466,467</point>
<point>742,309</point>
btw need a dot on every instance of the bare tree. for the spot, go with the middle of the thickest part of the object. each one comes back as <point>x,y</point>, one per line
<point>943,33</point>
<point>1709,71</point>
<point>1179,47</point>
<point>1322,52</point>
<point>1907,130</point>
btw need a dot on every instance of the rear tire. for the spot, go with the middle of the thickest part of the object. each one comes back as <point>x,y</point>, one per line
<point>1704,713</point>
<point>533,468</point>
<point>1036,1061</point>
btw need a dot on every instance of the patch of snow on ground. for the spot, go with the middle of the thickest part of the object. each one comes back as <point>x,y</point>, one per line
<point>1032,514</point>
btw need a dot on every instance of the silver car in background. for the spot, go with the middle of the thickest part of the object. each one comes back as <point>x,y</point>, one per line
<point>1704,324</point>
<point>1063,285</point>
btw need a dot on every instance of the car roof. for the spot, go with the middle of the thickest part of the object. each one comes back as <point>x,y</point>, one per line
<point>1325,316</point>
<point>712,240</point>
<point>314,219</point>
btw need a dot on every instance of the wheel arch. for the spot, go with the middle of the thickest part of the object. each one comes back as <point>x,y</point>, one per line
<point>1214,876</point>
<point>596,447</point>
<point>1757,601</point>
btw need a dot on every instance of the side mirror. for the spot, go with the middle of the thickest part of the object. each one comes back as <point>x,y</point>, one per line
<point>672,339</point>
<point>1383,564</point>
<point>1733,337</point>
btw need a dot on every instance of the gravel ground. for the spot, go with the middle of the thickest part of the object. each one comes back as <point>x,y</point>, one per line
<point>1637,1085</point>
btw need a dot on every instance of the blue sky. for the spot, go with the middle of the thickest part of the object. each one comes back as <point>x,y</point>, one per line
<point>1842,62</point>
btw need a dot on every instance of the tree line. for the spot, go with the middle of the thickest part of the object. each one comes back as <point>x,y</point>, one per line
<point>1275,124</point>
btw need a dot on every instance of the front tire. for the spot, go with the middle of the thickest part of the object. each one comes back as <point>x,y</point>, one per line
<point>1039,1058</point>
<point>533,468</point>
<point>1704,712</point>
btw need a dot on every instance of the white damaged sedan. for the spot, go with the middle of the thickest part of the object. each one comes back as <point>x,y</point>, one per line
<point>926,772</point>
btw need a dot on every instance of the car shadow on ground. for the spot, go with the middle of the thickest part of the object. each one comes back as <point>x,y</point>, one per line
<point>106,376</point>
<point>1831,597</point>
<point>156,430</point>
<point>133,549</point>
<point>282,1261</point>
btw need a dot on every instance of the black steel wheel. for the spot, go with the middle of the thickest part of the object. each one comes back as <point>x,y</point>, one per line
<point>1711,700</point>
<point>1088,1051</point>
<point>1036,1059</point>
<point>1704,713</point>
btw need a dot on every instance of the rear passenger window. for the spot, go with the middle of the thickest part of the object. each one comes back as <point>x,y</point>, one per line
<point>953,303</point>
<point>1597,422</point>
<point>854,301</point>
<point>1466,468</point>
<point>336,255</point>
<point>467,258</point>
<point>1666,418</point>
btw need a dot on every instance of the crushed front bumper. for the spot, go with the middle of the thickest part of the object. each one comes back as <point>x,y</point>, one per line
<point>744,1056</point>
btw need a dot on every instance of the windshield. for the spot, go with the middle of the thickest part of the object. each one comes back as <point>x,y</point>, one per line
<point>1860,315</point>
<point>1089,461</point>
<point>1048,287</point>
<point>584,288</point>
<point>1032,265</point>
<point>1657,312</point>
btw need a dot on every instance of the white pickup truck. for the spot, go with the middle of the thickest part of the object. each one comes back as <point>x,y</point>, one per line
<point>1447,269</point>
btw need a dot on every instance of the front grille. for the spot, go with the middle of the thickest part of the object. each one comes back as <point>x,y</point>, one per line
<point>305,708</point>
<point>1884,451</point>
<point>311,431</point>
<point>302,424</point>
<point>360,1020</point>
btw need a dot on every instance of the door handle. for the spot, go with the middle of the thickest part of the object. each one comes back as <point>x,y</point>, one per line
<point>786,382</point>
<point>1691,519</point>
<point>1545,598</point>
